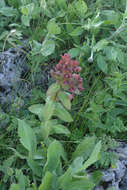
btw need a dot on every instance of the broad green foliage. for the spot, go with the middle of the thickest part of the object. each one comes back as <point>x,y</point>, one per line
<point>94,156</point>
<point>54,153</point>
<point>84,148</point>
<point>46,182</point>
<point>14,187</point>
<point>48,110</point>
<point>27,136</point>
<point>53,28</point>
<point>61,113</point>
<point>37,109</point>
<point>64,98</point>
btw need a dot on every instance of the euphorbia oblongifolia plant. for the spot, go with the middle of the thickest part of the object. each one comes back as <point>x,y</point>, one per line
<point>59,95</point>
<point>52,115</point>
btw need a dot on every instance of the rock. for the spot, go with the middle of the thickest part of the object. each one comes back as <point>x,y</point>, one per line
<point>122,151</point>
<point>119,170</point>
<point>108,176</point>
<point>12,67</point>
<point>13,83</point>
<point>124,180</point>
<point>116,178</point>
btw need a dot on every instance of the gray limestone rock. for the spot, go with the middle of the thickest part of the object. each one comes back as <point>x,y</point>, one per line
<point>12,67</point>
<point>116,178</point>
<point>13,71</point>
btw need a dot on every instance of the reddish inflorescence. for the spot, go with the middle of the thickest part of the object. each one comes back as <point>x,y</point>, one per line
<point>67,74</point>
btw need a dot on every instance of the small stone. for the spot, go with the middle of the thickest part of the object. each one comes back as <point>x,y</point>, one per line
<point>119,170</point>
<point>108,176</point>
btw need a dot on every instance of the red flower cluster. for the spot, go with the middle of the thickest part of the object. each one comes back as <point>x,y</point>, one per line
<point>67,74</point>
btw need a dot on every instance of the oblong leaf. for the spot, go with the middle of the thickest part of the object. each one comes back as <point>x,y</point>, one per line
<point>64,98</point>
<point>85,148</point>
<point>55,151</point>
<point>37,109</point>
<point>94,156</point>
<point>27,136</point>
<point>80,184</point>
<point>48,109</point>
<point>46,182</point>
<point>52,90</point>
<point>62,113</point>
<point>77,31</point>
<point>59,129</point>
<point>14,187</point>
<point>46,128</point>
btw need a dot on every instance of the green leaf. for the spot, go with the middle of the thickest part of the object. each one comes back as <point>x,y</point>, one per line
<point>71,181</point>
<point>64,98</point>
<point>61,4</point>
<point>14,187</point>
<point>35,166</point>
<point>55,151</point>
<point>76,165</point>
<point>36,49</point>
<point>59,129</point>
<point>10,171</point>
<point>37,109</point>
<point>77,31</point>
<point>46,182</point>
<point>53,90</point>
<point>61,112</point>
<point>21,179</point>
<point>80,8</point>
<point>53,28</point>
<point>83,184</point>
<point>4,35</point>
<point>51,127</point>
<point>111,17</point>
<point>46,128</point>
<point>48,47</point>
<point>65,179</point>
<point>2,3</point>
<point>8,11</point>
<point>25,20</point>
<point>94,156</point>
<point>96,177</point>
<point>61,13</point>
<point>85,148</point>
<point>102,64</point>
<point>7,163</point>
<point>74,52</point>
<point>100,45</point>
<point>24,10</point>
<point>43,4</point>
<point>27,136</point>
<point>48,109</point>
<point>111,53</point>
<point>27,9</point>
